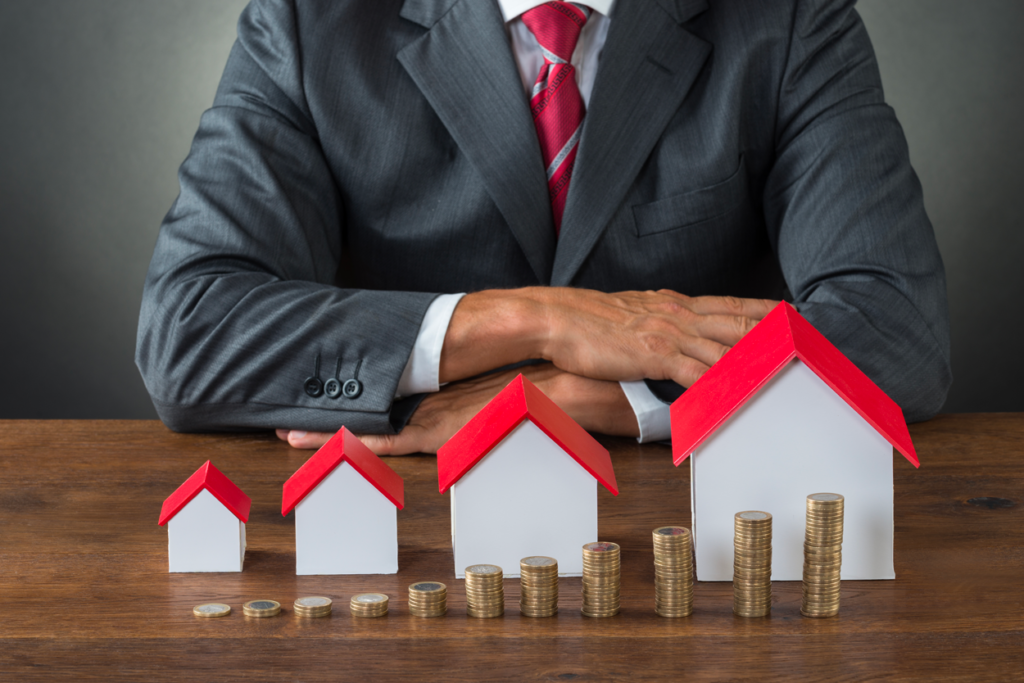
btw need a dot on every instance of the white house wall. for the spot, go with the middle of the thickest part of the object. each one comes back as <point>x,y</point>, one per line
<point>526,497</point>
<point>794,438</point>
<point>346,526</point>
<point>205,537</point>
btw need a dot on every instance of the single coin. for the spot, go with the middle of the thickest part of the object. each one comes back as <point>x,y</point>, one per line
<point>212,610</point>
<point>261,608</point>
<point>314,602</point>
<point>539,561</point>
<point>825,497</point>
<point>428,587</point>
<point>483,569</point>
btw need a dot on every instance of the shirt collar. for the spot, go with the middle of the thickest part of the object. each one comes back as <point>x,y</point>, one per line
<point>511,9</point>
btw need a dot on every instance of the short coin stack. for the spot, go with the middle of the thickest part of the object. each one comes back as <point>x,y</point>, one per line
<point>673,571</point>
<point>313,607</point>
<point>823,555</point>
<point>428,599</point>
<point>369,605</point>
<point>485,591</point>
<point>601,569</point>
<point>752,564</point>
<point>261,608</point>
<point>539,583</point>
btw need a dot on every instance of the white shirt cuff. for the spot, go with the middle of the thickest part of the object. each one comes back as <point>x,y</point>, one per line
<point>651,413</point>
<point>421,371</point>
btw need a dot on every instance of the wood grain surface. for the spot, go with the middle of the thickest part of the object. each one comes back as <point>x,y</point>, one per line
<point>86,594</point>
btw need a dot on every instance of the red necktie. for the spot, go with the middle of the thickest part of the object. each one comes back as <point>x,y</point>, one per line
<point>556,103</point>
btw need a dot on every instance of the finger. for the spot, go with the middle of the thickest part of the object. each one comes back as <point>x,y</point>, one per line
<point>684,370</point>
<point>307,440</point>
<point>731,305</point>
<point>410,440</point>
<point>724,329</point>
<point>707,351</point>
<point>282,434</point>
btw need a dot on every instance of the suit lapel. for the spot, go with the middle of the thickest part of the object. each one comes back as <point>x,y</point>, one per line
<point>465,68</point>
<point>648,64</point>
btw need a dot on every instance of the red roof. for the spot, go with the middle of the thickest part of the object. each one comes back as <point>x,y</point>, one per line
<point>343,447</point>
<point>521,400</point>
<point>210,478</point>
<point>780,337</point>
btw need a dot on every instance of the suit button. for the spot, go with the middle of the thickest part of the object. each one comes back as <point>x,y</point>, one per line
<point>314,387</point>
<point>352,388</point>
<point>332,388</point>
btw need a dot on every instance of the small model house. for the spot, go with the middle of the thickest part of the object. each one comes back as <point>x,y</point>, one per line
<point>523,478</point>
<point>205,521</point>
<point>346,503</point>
<point>782,415</point>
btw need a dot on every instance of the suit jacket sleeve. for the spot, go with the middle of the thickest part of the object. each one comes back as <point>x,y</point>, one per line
<point>845,211</point>
<point>240,300</point>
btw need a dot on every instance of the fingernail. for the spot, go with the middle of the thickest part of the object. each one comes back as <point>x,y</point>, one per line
<point>296,435</point>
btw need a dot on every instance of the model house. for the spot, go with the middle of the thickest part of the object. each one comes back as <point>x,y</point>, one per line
<point>782,415</point>
<point>523,478</point>
<point>205,521</point>
<point>346,503</point>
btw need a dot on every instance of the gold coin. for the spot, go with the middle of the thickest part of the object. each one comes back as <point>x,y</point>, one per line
<point>211,610</point>
<point>261,608</point>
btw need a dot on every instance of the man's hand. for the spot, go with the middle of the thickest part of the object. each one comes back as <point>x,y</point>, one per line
<point>622,336</point>
<point>596,405</point>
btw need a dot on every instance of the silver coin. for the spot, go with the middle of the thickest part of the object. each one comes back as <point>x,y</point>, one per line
<point>371,598</point>
<point>753,514</point>
<point>539,561</point>
<point>825,497</point>
<point>313,602</point>
<point>484,569</point>
<point>261,604</point>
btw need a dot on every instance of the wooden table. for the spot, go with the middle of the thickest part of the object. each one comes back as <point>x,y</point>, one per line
<point>86,593</point>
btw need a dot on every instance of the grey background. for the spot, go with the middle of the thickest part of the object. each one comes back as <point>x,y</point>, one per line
<point>100,100</point>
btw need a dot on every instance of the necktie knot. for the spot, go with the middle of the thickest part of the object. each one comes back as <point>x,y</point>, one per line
<point>557,26</point>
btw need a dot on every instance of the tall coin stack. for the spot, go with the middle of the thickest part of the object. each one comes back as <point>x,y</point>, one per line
<point>485,591</point>
<point>601,571</point>
<point>368,605</point>
<point>752,564</point>
<point>673,571</point>
<point>539,583</point>
<point>823,555</point>
<point>428,599</point>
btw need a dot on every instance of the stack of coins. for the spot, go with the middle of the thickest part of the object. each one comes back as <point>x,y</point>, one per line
<point>313,607</point>
<point>369,605</point>
<point>752,564</point>
<point>601,579</point>
<point>673,571</point>
<point>823,555</point>
<point>428,599</point>
<point>485,591</point>
<point>261,608</point>
<point>539,583</point>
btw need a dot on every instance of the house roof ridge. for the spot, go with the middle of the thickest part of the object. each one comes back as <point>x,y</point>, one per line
<point>518,401</point>
<point>344,446</point>
<point>211,479</point>
<point>773,343</point>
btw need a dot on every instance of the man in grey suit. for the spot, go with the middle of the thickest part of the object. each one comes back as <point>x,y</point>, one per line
<point>366,163</point>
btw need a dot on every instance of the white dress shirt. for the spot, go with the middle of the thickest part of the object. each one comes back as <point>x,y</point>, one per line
<point>421,372</point>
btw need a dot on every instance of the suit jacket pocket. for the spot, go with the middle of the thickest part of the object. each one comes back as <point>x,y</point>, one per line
<point>691,208</point>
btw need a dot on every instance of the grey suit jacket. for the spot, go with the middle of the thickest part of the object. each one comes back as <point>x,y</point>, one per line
<point>363,156</point>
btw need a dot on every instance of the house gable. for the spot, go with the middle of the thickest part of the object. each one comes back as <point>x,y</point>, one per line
<point>343,447</point>
<point>782,336</point>
<point>207,478</point>
<point>518,402</point>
